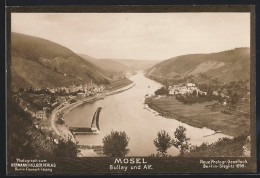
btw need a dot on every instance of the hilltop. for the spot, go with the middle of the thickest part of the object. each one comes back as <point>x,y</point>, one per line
<point>107,64</point>
<point>137,65</point>
<point>121,65</point>
<point>40,63</point>
<point>226,66</point>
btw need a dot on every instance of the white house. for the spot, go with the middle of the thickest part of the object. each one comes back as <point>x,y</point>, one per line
<point>56,141</point>
<point>215,93</point>
<point>190,85</point>
<point>80,95</point>
<point>41,114</point>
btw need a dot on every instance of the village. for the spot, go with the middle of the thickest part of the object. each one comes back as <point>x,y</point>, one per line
<point>47,106</point>
<point>40,103</point>
<point>184,89</point>
<point>190,93</point>
<point>228,95</point>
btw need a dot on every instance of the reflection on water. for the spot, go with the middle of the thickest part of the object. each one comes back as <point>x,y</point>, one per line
<point>125,112</point>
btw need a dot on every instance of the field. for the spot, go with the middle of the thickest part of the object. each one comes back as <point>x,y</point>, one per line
<point>235,124</point>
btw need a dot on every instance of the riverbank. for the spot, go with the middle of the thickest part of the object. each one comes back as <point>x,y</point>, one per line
<point>116,91</point>
<point>198,116</point>
<point>63,109</point>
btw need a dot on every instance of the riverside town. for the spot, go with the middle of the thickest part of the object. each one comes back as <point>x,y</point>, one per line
<point>147,93</point>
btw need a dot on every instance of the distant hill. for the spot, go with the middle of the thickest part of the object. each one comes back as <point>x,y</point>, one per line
<point>107,64</point>
<point>120,65</point>
<point>225,66</point>
<point>38,63</point>
<point>137,65</point>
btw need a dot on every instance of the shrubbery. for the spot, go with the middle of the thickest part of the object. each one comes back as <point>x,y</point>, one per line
<point>24,140</point>
<point>73,101</point>
<point>66,149</point>
<point>115,144</point>
<point>162,91</point>
<point>191,98</point>
<point>226,147</point>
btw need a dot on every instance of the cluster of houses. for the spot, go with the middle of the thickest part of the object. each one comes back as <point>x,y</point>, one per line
<point>184,89</point>
<point>90,91</point>
<point>189,88</point>
<point>40,121</point>
<point>38,114</point>
<point>41,116</point>
<point>86,88</point>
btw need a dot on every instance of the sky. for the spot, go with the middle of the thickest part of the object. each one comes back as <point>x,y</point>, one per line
<point>148,36</point>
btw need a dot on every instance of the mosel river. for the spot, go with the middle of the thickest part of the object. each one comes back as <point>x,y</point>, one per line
<point>125,112</point>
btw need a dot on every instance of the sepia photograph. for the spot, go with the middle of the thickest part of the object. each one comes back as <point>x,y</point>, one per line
<point>131,92</point>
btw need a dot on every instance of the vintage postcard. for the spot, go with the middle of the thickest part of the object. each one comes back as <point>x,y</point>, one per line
<point>131,89</point>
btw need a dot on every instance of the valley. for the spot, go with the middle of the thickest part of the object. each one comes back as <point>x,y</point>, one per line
<point>56,88</point>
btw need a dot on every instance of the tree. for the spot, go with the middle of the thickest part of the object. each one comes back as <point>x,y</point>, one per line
<point>66,149</point>
<point>60,121</point>
<point>167,81</point>
<point>53,98</point>
<point>162,142</point>
<point>21,90</point>
<point>194,93</point>
<point>162,91</point>
<point>115,144</point>
<point>181,141</point>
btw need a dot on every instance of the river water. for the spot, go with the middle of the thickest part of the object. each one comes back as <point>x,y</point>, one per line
<point>125,112</point>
